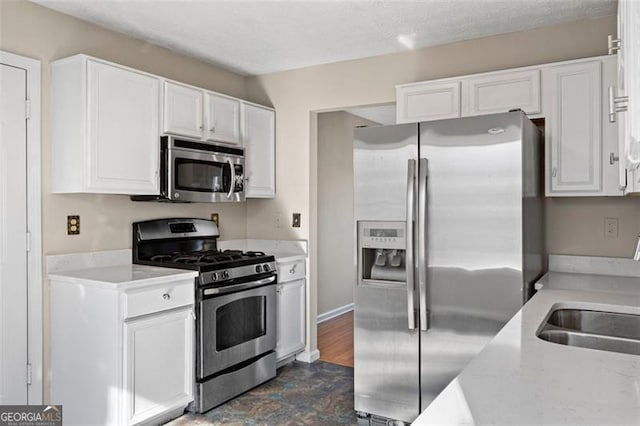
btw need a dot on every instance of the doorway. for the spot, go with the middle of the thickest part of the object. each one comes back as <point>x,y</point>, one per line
<point>336,232</point>
<point>20,247</point>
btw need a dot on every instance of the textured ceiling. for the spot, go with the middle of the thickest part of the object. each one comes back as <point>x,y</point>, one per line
<point>265,36</point>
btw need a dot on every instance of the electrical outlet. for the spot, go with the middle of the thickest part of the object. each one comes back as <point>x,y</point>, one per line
<point>277,219</point>
<point>296,220</point>
<point>611,227</point>
<point>215,218</point>
<point>73,225</point>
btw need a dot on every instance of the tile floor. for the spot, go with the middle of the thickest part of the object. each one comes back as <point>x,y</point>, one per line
<point>301,394</point>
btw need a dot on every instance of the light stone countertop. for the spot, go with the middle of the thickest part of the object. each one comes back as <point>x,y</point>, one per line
<point>521,379</point>
<point>122,276</point>
<point>110,269</point>
<point>285,251</point>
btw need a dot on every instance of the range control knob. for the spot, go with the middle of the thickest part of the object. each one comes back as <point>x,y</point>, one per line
<point>258,268</point>
<point>225,275</point>
<point>214,276</point>
<point>266,267</point>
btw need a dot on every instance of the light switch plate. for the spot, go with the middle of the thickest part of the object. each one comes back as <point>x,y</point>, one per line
<point>296,220</point>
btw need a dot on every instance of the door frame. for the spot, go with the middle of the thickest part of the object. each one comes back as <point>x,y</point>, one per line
<point>34,222</point>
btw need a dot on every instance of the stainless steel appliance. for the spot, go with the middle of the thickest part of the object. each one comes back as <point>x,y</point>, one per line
<point>449,221</point>
<point>235,305</point>
<point>192,171</point>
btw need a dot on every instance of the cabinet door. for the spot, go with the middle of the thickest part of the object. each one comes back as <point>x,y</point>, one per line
<point>123,150</point>
<point>223,119</point>
<point>573,136</point>
<point>158,364</point>
<point>258,137</point>
<point>427,101</point>
<point>291,318</point>
<point>488,94</point>
<point>182,110</point>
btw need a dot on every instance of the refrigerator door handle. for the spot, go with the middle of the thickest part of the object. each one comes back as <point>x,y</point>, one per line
<point>411,174</point>
<point>423,288</point>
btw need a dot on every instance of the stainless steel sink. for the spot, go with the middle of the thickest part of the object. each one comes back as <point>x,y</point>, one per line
<point>606,331</point>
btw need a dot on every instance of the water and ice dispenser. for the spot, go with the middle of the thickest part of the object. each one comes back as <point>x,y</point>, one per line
<point>381,253</point>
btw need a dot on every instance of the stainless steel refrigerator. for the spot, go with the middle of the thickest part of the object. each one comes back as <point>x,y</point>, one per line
<point>449,224</point>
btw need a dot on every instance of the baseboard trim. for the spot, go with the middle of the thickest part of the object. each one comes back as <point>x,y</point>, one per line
<point>334,313</point>
<point>308,357</point>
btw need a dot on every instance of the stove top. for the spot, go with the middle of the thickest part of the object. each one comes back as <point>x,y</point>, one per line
<point>191,244</point>
<point>208,258</point>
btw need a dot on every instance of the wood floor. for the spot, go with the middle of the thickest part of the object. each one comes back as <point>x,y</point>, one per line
<point>335,340</point>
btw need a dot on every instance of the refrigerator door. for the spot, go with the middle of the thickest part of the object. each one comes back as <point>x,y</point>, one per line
<point>386,346</point>
<point>470,240</point>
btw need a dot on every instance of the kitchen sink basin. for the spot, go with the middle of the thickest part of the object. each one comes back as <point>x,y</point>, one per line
<point>606,331</point>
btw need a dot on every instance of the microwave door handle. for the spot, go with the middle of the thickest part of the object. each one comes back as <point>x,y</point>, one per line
<point>232,186</point>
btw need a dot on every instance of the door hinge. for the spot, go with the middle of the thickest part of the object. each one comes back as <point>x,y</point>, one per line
<point>28,241</point>
<point>29,374</point>
<point>27,107</point>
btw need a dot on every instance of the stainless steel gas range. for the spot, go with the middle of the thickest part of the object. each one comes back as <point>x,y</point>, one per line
<point>235,305</point>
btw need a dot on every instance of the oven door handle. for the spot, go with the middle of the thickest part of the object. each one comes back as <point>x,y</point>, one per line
<point>232,186</point>
<point>236,287</point>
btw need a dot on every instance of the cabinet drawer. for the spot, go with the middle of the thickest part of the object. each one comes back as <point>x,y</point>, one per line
<point>291,271</point>
<point>158,298</point>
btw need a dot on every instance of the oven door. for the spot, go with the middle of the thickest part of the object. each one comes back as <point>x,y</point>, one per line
<point>235,327</point>
<point>201,176</point>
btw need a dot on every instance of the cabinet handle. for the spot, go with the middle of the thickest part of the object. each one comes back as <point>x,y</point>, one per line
<point>279,289</point>
<point>614,44</point>
<point>554,172</point>
<point>166,296</point>
<point>293,269</point>
<point>201,127</point>
<point>212,129</point>
<point>613,158</point>
<point>614,108</point>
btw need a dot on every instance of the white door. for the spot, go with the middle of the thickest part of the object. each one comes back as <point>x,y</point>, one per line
<point>223,119</point>
<point>427,101</point>
<point>124,139</point>
<point>573,134</point>
<point>158,364</point>
<point>258,137</point>
<point>291,318</point>
<point>182,110</point>
<point>13,230</point>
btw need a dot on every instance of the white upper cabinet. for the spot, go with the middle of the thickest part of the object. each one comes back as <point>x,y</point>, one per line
<point>104,127</point>
<point>427,101</point>
<point>222,119</point>
<point>258,137</point>
<point>182,110</point>
<point>573,136</point>
<point>501,92</point>
<point>581,143</point>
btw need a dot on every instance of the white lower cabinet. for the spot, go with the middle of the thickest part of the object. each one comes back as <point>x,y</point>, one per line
<point>120,354</point>
<point>158,370</point>
<point>291,302</point>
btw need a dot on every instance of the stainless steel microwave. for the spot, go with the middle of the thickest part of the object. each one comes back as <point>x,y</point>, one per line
<point>193,171</point>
